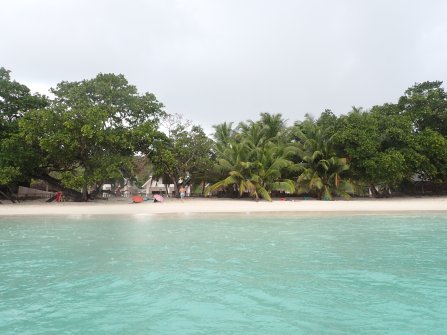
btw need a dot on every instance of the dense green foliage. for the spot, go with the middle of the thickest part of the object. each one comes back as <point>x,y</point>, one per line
<point>184,155</point>
<point>321,172</point>
<point>253,157</point>
<point>17,159</point>
<point>87,134</point>
<point>93,131</point>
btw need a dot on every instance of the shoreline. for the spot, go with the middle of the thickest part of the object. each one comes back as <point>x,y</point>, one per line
<point>230,206</point>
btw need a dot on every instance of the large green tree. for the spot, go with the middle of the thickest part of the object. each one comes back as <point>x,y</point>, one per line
<point>431,149</point>
<point>426,104</point>
<point>17,160</point>
<point>184,155</point>
<point>91,130</point>
<point>373,141</point>
<point>394,144</point>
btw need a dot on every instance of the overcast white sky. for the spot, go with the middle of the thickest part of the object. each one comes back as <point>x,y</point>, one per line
<point>229,60</point>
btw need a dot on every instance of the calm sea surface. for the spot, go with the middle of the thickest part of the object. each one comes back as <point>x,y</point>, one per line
<point>224,275</point>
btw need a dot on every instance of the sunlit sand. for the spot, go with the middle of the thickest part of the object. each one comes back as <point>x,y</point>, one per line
<point>243,206</point>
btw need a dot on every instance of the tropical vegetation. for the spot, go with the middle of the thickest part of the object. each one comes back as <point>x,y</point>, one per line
<point>102,130</point>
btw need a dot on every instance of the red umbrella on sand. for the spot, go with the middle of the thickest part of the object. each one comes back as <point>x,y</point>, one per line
<point>137,198</point>
<point>158,197</point>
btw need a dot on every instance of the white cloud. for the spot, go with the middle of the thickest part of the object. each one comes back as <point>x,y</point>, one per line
<point>216,61</point>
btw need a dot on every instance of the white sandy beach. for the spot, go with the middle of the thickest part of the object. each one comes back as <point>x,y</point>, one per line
<point>197,206</point>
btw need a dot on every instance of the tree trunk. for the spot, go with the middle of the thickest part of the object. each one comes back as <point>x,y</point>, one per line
<point>374,191</point>
<point>84,192</point>
<point>174,180</point>
<point>68,192</point>
<point>167,190</point>
<point>85,185</point>
<point>203,188</point>
<point>12,194</point>
<point>7,197</point>
<point>98,190</point>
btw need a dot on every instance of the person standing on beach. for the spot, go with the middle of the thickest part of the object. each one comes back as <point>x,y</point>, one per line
<point>182,191</point>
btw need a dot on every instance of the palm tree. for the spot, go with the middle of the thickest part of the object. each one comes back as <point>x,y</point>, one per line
<point>233,162</point>
<point>271,162</point>
<point>274,125</point>
<point>320,170</point>
<point>251,160</point>
<point>245,181</point>
<point>253,134</point>
<point>222,134</point>
<point>323,177</point>
<point>257,172</point>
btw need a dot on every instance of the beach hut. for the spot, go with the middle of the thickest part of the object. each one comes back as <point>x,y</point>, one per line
<point>156,186</point>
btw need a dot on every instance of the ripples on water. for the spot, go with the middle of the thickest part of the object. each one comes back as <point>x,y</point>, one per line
<point>216,275</point>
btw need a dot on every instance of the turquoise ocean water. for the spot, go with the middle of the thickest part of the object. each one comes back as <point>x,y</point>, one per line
<point>224,275</point>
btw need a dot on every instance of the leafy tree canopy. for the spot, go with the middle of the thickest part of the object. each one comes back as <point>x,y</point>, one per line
<point>92,129</point>
<point>16,158</point>
<point>184,155</point>
<point>426,104</point>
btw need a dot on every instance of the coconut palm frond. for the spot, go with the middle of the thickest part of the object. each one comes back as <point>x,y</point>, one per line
<point>214,187</point>
<point>346,186</point>
<point>322,171</point>
<point>286,185</point>
<point>225,165</point>
<point>264,194</point>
